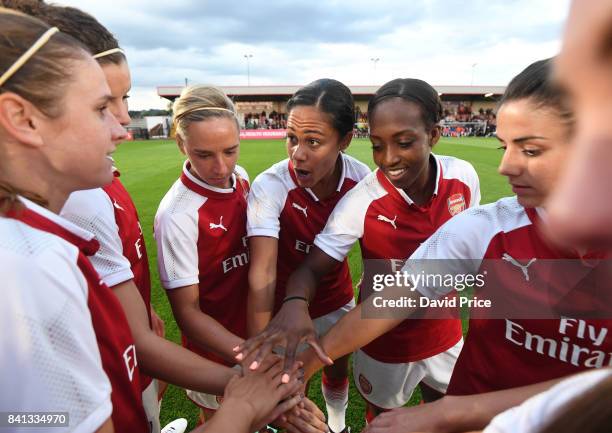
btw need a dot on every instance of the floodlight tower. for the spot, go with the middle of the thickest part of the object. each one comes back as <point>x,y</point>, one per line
<point>248,58</point>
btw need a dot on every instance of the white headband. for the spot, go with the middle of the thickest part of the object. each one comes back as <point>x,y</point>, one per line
<point>40,42</point>
<point>193,110</point>
<point>109,52</point>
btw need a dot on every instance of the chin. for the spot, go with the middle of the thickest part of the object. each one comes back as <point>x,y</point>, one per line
<point>529,202</point>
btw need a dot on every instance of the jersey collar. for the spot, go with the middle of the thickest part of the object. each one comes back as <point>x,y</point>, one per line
<point>42,219</point>
<point>308,190</point>
<point>195,184</point>
<point>400,193</point>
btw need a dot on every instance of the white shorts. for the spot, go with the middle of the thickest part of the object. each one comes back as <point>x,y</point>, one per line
<point>322,325</point>
<point>151,405</point>
<point>391,385</point>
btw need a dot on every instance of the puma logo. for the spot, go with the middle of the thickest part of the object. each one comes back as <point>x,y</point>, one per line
<point>213,226</point>
<point>524,268</point>
<point>301,209</point>
<point>387,220</point>
<point>117,206</point>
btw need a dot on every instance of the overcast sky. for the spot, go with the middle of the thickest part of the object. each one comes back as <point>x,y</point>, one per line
<point>297,41</point>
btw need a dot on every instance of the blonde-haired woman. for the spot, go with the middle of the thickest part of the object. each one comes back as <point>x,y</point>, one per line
<point>200,229</point>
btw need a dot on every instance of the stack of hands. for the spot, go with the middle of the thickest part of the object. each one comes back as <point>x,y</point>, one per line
<point>260,397</point>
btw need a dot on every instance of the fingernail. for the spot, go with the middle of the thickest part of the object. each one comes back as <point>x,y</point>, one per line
<point>254,365</point>
<point>285,378</point>
<point>239,357</point>
<point>235,349</point>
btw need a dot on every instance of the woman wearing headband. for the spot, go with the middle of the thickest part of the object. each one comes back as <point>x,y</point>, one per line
<point>200,229</point>
<point>62,327</point>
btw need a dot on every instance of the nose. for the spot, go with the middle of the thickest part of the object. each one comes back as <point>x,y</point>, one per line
<point>118,132</point>
<point>298,153</point>
<point>390,156</point>
<point>119,109</point>
<point>220,167</point>
<point>511,162</point>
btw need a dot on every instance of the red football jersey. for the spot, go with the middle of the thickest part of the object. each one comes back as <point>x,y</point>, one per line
<point>506,243</point>
<point>113,334</point>
<point>132,239</point>
<point>279,208</point>
<point>389,225</point>
<point>201,239</point>
<point>111,216</point>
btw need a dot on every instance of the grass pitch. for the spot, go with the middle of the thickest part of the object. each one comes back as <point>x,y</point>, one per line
<point>150,167</point>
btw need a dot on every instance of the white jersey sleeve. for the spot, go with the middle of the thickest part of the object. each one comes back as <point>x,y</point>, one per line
<point>240,171</point>
<point>93,211</point>
<point>345,225</point>
<point>49,357</point>
<point>459,245</point>
<point>537,412</point>
<point>455,168</point>
<point>176,234</point>
<point>265,204</point>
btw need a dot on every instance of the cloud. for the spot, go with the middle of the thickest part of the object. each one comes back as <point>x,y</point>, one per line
<point>297,41</point>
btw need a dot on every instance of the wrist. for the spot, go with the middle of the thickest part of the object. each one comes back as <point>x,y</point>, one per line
<point>295,299</point>
<point>231,406</point>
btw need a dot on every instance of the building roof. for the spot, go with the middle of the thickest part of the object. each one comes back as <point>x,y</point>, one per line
<point>172,92</point>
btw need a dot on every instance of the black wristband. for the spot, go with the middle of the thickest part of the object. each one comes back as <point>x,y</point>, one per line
<point>291,298</point>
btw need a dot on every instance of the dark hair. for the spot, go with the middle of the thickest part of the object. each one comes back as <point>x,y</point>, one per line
<point>412,90</point>
<point>28,7</point>
<point>74,22</point>
<point>43,79</point>
<point>535,83</point>
<point>590,412</point>
<point>331,97</point>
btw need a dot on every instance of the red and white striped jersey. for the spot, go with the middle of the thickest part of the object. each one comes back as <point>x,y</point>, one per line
<point>201,239</point>
<point>109,213</point>
<point>279,208</point>
<point>389,225</point>
<point>505,241</point>
<point>114,339</point>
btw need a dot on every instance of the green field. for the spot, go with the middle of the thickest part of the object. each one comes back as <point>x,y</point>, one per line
<point>150,167</point>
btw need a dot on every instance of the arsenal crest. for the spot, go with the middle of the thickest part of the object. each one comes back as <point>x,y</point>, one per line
<point>366,386</point>
<point>456,204</point>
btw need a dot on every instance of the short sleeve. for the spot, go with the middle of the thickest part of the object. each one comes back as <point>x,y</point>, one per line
<point>473,183</point>
<point>344,226</point>
<point>92,210</point>
<point>535,413</point>
<point>50,357</point>
<point>265,204</point>
<point>176,235</point>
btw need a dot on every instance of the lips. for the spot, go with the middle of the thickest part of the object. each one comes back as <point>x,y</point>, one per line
<point>396,173</point>
<point>301,174</point>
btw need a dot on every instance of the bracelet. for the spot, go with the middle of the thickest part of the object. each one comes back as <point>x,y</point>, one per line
<point>291,298</point>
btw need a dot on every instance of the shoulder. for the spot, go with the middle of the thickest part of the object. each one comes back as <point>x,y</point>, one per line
<point>468,234</point>
<point>34,259</point>
<point>455,168</point>
<point>275,179</point>
<point>179,200</point>
<point>88,204</point>
<point>367,190</point>
<point>240,171</point>
<point>354,169</point>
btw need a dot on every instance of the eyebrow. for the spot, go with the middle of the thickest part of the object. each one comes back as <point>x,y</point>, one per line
<point>104,99</point>
<point>307,131</point>
<point>528,138</point>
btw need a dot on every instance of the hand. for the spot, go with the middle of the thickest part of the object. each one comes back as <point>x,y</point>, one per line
<point>157,324</point>
<point>423,418</point>
<point>305,418</point>
<point>290,327</point>
<point>260,395</point>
